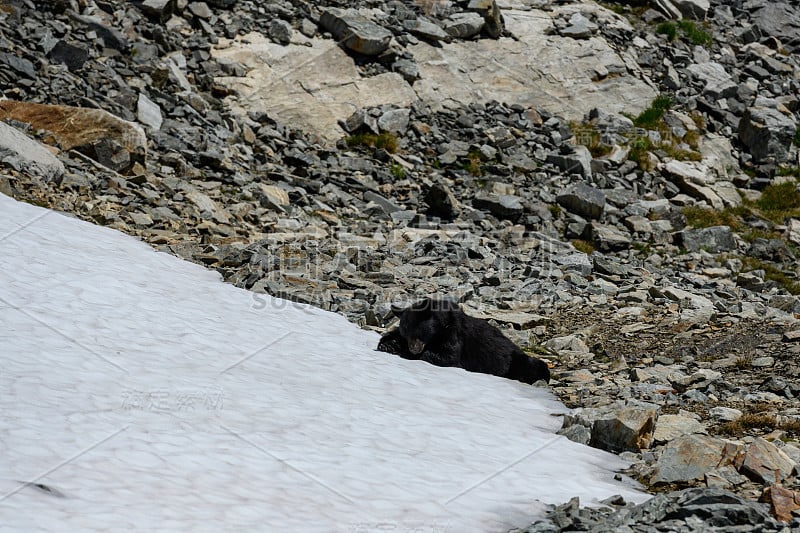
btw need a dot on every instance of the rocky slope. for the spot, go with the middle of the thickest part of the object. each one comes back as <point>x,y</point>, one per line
<point>613,184</point>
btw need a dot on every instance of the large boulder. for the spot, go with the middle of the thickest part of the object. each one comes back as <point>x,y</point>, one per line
<point>23,153</point>
<point>777,19</point>
<point>356,31</point>
<point>693,9</point>
<point>768,133</point>
<point>688,458</point>
<point>715,239</point>
<point>107,139</point>
<point>583,200</point>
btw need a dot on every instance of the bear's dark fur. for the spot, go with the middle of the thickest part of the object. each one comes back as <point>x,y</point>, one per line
<point>439,332</point>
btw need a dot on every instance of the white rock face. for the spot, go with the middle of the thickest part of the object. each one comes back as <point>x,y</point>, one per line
<point>310,87</point>
<point>314,84</point>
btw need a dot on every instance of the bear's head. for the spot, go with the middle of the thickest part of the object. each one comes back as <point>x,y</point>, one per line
<point>422,322</point>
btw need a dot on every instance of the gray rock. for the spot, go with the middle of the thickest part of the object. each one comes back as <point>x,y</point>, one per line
<point>356,32</point>
<point>583,200</point>
<point>714,239</point>
<point>568,343</point>
<point>500,205</point>
<point>18,64</point>
<point>668,8</point>
<point>74,57</point>
<point>577,162</point>
<point>693,9</point>
<point>158,10</point>
<point>442,202</point>
<point>577,262</point>
<point>670,427</point>
<point>464,25</point>
<point>577,433</point>
<point>724,477</point>
<point>23,153</point>
<point>387,206</point>
<point>492,17</point>
<point>110,36</point>
<point>422,27</point>
<point>777,19</point>
<point>360,120</point>
<point>579,27</point>
<point>625,427</point>
<point>148,112</point>
<point>280,31</point>
<point>717,83</point>
<point>407,68</point>
<point>767,132</point>
<point>764,462</point>
<point>688,458</point>
<point>394,121</point>
<point>608,238</point>
<point>200,10</point>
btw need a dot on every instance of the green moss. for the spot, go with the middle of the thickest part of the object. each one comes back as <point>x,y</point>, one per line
<point>670,29</point>
<point>397,170</point>
<point>555,210</point>
<point>694,34</point>
<point>650,117</point>
<point>687,30</point>
<point>789,171</point>
<point>772,273</point>
<point>587,135</point>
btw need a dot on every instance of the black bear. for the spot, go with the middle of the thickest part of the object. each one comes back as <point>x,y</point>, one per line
<point>439,332</point>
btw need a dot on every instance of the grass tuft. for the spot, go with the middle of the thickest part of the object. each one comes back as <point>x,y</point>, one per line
<point>687,29</point>
<point>583,246</point>
<point>694,34</point>
<point>779,201</point>
<point>385,141</point>
<point>650,117</point>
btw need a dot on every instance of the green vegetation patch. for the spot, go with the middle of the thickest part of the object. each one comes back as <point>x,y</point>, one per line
<point>772,273</point>
<point>583,246</point>
<point>385,141</point>
<point>650,118</point>
<point>704,217</point>
<point>686,29</point>
<point>779,201</point>
<point>694,34</point>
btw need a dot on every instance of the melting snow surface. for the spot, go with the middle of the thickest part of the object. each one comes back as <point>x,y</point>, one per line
<point>142,393</point>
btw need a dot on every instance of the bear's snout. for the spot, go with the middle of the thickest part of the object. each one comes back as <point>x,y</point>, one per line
<point>416,346</point>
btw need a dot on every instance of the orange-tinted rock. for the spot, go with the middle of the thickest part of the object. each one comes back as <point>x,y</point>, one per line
<point>764,462</point>
<point>107,139</point>
<point>782,502</point>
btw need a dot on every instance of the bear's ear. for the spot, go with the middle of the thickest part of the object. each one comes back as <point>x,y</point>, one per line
<point>399,309</point>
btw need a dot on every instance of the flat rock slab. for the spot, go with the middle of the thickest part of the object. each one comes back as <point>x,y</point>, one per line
<point>314,83</point>
<point>538,70</point>
<point>688,458</point>
<point>309,87</point>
